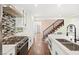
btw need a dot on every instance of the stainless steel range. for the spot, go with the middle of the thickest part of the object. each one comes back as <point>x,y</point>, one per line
<point>22,46</point>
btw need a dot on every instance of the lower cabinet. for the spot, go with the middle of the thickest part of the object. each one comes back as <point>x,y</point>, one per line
<point>10,52</point>
<point>57,50</point>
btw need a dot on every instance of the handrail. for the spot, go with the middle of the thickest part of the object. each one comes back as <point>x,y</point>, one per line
<point>52,24</point>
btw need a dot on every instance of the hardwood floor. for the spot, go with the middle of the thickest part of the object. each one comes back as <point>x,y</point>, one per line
<point>39,46</point>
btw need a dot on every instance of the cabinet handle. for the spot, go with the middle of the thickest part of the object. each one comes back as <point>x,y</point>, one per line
<point>30,40</point>
<point>10,53</point>
<point>56,53</point>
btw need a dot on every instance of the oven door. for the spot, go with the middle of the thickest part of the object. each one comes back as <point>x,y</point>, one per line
<point>23,49</point>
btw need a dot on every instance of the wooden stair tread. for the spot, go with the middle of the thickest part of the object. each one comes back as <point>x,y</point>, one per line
<point>55,26</point>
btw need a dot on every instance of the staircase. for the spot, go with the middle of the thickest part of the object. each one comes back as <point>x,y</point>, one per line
<point>53,27</point>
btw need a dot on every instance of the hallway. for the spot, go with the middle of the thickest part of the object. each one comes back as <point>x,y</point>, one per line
<point>39,47</point>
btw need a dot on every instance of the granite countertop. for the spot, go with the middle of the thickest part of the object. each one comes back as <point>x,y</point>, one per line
<point>14,40</point>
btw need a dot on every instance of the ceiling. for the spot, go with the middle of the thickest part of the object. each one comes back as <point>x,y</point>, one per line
<point>51,10</point>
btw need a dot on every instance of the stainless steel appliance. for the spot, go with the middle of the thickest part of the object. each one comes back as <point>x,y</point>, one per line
<point>22,47</point>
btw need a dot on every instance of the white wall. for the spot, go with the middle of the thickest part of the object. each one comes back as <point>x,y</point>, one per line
<point>30,29</point>
<point>67,21</point>
<point>75,21</point>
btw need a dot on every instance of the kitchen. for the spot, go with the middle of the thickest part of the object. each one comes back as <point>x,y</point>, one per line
<point>39,29</point>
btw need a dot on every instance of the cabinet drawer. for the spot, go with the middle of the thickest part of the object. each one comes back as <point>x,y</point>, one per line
<point>10,52</point>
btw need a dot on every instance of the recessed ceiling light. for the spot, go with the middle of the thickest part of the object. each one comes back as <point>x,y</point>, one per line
<point>59,4</point>
<point>36,5</point>
<point>39,23</point>
<point>32,17</point>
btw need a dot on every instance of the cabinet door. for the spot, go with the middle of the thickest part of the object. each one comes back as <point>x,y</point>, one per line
<point>57,49</point>
<point>10,52</point>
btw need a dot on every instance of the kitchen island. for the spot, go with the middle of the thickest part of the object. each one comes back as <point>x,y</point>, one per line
<point>62,45</point>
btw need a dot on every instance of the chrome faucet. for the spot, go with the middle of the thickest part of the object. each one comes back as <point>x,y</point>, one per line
<point>72,25</point>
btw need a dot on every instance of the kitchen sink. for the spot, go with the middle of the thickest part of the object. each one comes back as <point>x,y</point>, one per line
<point>71,46</point>
<point>62,40</point>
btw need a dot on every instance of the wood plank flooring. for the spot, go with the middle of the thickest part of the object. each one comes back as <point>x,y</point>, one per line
<point>39,46</point>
